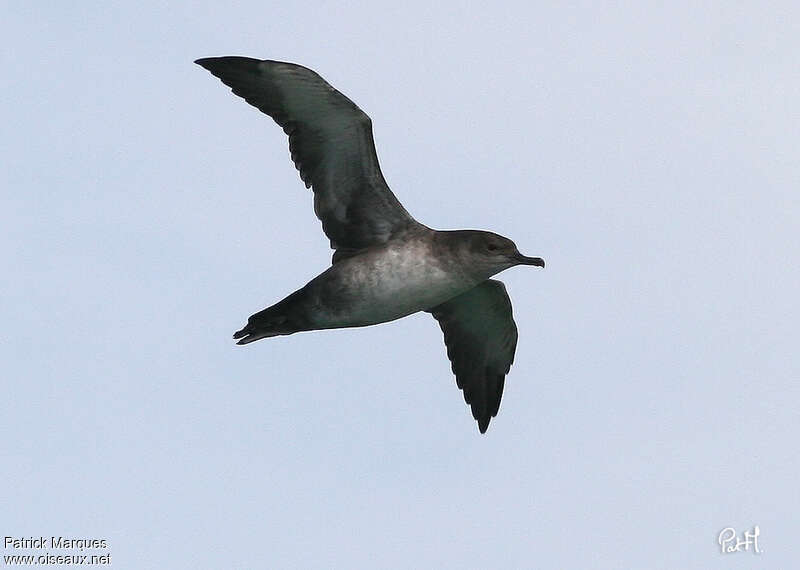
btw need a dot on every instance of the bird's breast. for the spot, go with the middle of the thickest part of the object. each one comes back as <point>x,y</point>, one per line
<point>386,284</point>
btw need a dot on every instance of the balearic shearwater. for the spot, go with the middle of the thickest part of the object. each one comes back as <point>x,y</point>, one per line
<point>386,265</point>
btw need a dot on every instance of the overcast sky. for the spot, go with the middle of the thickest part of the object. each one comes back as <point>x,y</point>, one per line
<point>649,152</point>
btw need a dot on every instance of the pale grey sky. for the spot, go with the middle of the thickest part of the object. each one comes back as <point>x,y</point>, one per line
<point>648,152</point>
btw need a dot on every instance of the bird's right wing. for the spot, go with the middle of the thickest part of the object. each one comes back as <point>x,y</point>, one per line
<point>331,144</point>
<point>481,339</point>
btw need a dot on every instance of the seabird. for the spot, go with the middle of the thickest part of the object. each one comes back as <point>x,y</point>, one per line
<point>386,265</point>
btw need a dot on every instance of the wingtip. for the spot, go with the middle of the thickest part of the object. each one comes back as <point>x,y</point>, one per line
<point>205,62</point>
<point>483,425</point>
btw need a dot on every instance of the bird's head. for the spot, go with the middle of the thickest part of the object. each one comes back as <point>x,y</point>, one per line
<point>493,253</point>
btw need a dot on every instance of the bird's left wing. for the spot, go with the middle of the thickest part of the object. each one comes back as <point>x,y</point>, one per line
<point>331,144</point>
<point>481,339</point>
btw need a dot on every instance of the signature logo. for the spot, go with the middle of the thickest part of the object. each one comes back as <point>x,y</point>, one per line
<point>729,541</point>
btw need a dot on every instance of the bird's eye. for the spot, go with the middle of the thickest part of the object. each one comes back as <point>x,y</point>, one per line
<point>492,247</point>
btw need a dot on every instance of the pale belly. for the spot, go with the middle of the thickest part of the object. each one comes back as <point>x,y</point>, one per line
<point>382,287</point>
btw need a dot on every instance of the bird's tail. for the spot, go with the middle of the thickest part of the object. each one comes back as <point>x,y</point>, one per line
<point>282,318</point>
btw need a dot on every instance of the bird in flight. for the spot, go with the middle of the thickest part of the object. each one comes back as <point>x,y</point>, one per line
<point>386,265</point>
